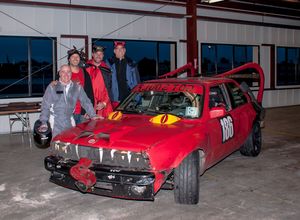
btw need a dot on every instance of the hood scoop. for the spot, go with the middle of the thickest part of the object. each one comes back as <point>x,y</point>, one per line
<point>84,134</point>
<point>102,135</point>
<point>91,134</point>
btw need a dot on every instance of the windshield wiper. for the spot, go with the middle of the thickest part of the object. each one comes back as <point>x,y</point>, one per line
<point>155,112</point>
<point>132,111</point>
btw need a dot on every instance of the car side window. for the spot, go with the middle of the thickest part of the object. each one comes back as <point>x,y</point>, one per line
<point>236,95</point>
<point>216,97</point>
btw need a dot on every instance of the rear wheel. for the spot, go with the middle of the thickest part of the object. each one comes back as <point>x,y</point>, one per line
<point>252,145</point>
<point>186,180</point>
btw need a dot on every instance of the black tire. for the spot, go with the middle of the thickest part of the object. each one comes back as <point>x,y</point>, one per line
<point>186,180</point>
<point>252,145</point>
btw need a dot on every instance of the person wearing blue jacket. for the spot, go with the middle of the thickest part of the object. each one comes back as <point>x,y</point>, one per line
<point>125,73</point>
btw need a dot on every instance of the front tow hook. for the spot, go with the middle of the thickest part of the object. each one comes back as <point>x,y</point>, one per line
<point>84,176</point>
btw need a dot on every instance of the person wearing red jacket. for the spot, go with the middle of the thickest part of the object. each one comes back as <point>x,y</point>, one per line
<point>79,75</point>
<point>101,80</point>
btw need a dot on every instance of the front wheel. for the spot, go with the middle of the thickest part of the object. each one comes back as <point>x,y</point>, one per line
<point>252,145</point>
<point>186,180</point>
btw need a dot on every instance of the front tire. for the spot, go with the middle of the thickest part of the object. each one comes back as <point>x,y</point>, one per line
<point>186,180</point>
<point>252,146</point>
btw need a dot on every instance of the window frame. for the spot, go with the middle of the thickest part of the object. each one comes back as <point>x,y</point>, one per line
<point>29,77</point>
<point>231,96</point>
<point>157,58</point>
<point>224,92</point>
<point>234,46</point>
<point>276,67</point>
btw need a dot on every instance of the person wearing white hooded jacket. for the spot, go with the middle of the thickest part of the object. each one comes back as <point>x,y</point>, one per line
<point>62,97</point>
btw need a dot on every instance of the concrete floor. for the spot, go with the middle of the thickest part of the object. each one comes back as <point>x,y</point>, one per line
<point>266,187</point>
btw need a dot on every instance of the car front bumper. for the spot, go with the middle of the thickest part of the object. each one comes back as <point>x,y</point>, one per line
<point>111,181</point>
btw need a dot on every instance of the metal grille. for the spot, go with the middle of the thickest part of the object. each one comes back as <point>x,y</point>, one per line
<point>110,157</point>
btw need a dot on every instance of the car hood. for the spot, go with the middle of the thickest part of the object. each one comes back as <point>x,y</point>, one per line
<point>134,133</point>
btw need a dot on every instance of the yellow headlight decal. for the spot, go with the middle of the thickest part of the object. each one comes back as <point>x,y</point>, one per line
<point>117,115</point>
<point>164,119</point>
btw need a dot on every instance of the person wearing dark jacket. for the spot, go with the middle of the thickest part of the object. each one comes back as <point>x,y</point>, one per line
<point>125,74</point>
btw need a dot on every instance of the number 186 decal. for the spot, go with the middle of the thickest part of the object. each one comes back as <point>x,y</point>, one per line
<point>227,128</point>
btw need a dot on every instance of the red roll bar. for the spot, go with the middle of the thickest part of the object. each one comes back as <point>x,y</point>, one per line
<point>249,66</point>
<point>232,72</point>
<point>180,70</point>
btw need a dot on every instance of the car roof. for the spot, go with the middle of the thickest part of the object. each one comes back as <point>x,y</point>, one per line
<point>192,80</point>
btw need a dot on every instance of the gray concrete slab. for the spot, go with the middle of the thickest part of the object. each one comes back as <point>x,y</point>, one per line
<point>266,187</point>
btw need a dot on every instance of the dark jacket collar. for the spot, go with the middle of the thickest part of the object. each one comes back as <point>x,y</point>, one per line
<point>114,59</point>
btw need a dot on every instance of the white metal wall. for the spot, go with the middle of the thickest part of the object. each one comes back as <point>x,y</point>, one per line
<point>55,22</point>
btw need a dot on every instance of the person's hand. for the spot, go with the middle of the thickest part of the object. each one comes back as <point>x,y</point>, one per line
<point>97,117</point>
<point>100,106</point>
<point>43,128</point>
<point>54,83</point>
<point>86,116</point>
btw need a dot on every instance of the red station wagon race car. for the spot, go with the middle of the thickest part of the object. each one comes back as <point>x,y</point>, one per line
<point>164,135</point>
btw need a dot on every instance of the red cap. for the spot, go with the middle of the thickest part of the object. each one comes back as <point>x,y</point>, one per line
<point>119,43</point>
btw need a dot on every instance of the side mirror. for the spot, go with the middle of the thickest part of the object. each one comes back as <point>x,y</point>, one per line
<point>216,112</point>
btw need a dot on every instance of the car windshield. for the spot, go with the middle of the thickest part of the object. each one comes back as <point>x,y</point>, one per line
<point>181,104</point>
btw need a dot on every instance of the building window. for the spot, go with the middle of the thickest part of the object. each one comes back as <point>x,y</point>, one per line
<point>26,66</point>
<point>154,58</point>
<point>288,66</point>
<point>219,58</point>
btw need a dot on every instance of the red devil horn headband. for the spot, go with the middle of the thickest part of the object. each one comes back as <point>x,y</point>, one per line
<point>121,43</point>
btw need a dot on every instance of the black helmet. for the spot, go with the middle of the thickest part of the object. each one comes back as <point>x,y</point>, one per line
<point>42,139</point>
